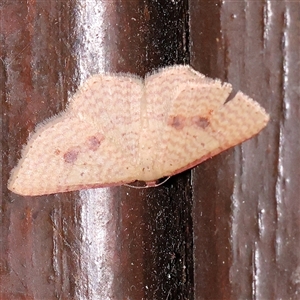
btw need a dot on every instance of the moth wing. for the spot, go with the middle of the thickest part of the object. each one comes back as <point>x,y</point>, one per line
<point>198,125</point>
<point>93,143</point>
<point>155,106</point>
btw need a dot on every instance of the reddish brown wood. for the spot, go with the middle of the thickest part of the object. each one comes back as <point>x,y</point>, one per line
<point>116,243</point>
<point>240,237</point>
<point>246,200</point>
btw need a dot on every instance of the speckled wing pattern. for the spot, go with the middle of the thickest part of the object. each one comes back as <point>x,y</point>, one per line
<point>195,122</point>
<point>120,128</point>
<point>93,143</point>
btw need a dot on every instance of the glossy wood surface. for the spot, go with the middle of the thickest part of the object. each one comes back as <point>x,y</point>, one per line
<point>228,229</point>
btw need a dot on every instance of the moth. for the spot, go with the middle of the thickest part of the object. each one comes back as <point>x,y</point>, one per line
<point>120,128</point>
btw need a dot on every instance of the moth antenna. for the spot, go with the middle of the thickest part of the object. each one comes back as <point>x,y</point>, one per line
<point>149,184</point>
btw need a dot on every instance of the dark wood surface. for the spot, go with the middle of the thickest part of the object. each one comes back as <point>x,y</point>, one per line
<point>228,229</point>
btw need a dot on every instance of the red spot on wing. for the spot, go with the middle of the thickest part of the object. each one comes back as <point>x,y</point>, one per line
<point>71,155</point>
<point>200,121</point>
<point>94,141</point>
<point>177,122</point>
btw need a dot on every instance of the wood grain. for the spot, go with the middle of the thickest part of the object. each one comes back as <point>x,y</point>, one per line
<point>230,231</point>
